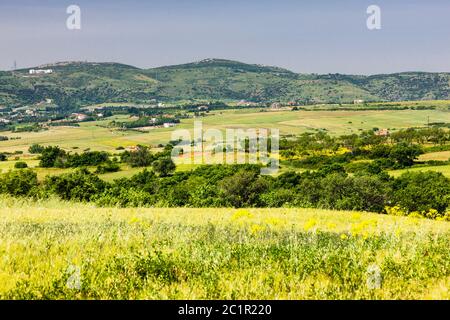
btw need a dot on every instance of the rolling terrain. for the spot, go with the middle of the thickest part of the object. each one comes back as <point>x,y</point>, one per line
<point>76,84</point>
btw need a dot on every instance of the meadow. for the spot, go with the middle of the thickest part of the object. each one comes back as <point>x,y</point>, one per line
<point>445,170</point>
<point>56,250</point>
<point>96,136</point>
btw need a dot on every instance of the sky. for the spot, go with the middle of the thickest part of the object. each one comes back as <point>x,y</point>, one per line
<point>305,36</point>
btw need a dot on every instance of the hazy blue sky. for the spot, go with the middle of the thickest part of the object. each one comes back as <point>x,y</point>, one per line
<point>304,36</point>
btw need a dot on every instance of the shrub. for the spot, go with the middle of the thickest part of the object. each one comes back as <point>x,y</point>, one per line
<point>421,191</point>
<point>405,155</point>
<point>19,183</point>
<point>277,198</point>
<point>139,158</point>
<point>242,189</point>
<point>90,158</point>
<point>35,149</point>
<point>107,167</point>
<point>164,166</point>
<point>80,185</point>
<point>52,157</point>
<point>20,165</point>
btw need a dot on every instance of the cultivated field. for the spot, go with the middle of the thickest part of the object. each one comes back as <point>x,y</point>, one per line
<point>95,135</point>
<point>445,170</point>
<point>57,250</point>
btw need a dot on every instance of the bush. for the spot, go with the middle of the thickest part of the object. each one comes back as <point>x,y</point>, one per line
<point>421,191</point>
<point>163,167</point>
<point>35,149</point>
<point>339,192</point>
<point>19,183</point>
<point>20,165</point>
<point>107,167</point>
<point>139,158</point>
<point>405,155</point>
<point>80,185</point>
<point>3,157</point>
<point>53,157</point>
<point>242,189</point>
<point>277,198</point>
<point>90,158</point>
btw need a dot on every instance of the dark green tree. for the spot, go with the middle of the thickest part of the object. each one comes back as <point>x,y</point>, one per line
<point>163,167</point>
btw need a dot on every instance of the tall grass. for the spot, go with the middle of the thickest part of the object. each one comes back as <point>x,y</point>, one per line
<point>58,250</point>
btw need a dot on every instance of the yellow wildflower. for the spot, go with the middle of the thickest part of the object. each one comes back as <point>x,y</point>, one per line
<point>256,228</point>
<point>241,214</point>
<point>311,223</point>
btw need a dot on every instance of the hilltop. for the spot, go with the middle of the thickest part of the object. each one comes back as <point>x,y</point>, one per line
<point>76,84</point>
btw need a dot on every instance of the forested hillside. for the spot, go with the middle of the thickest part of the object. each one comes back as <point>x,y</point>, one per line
<point>77,84</point>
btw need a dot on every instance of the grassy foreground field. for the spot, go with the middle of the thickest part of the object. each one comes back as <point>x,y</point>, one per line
<point>56,250</point>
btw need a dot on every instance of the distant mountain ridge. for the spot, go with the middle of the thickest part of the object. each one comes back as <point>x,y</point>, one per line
<point>74,84</point>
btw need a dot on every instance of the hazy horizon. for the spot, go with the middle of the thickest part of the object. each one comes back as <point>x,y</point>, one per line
<point>304,37</point>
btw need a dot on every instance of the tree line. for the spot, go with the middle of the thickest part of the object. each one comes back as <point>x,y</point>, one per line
<point>418,194</point>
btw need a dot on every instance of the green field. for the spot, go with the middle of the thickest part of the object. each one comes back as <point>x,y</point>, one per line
<point>445,170</point>
<point>57,250</point>
<point>91,135</point>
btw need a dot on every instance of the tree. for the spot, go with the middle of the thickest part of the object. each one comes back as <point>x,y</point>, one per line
<point>404,154</point>
<point>163,166</point>
<point>421,191</point>
<point>52,156</point>
<point>80,185</point>
<point>139,158</point>
<point>35,149</point>
<point>242,189</point>
<point>90,158</point>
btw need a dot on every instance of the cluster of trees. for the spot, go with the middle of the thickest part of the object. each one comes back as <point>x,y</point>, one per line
<point>243,186</point>
<point>142,157</point>
<point>398,150</point>
<point>53,156</point>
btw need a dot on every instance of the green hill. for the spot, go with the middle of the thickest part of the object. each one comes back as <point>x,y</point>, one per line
<point>77,84</point>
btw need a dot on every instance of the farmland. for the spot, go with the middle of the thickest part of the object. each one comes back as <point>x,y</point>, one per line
<point>129,238</point>
<point>445,170</point>
<point>95,136</point>
<point>57,250</point>
<point>98,136</point>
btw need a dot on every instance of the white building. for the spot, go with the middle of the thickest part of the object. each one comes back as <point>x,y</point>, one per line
<point>40,71</point>
<point>79,116</point>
